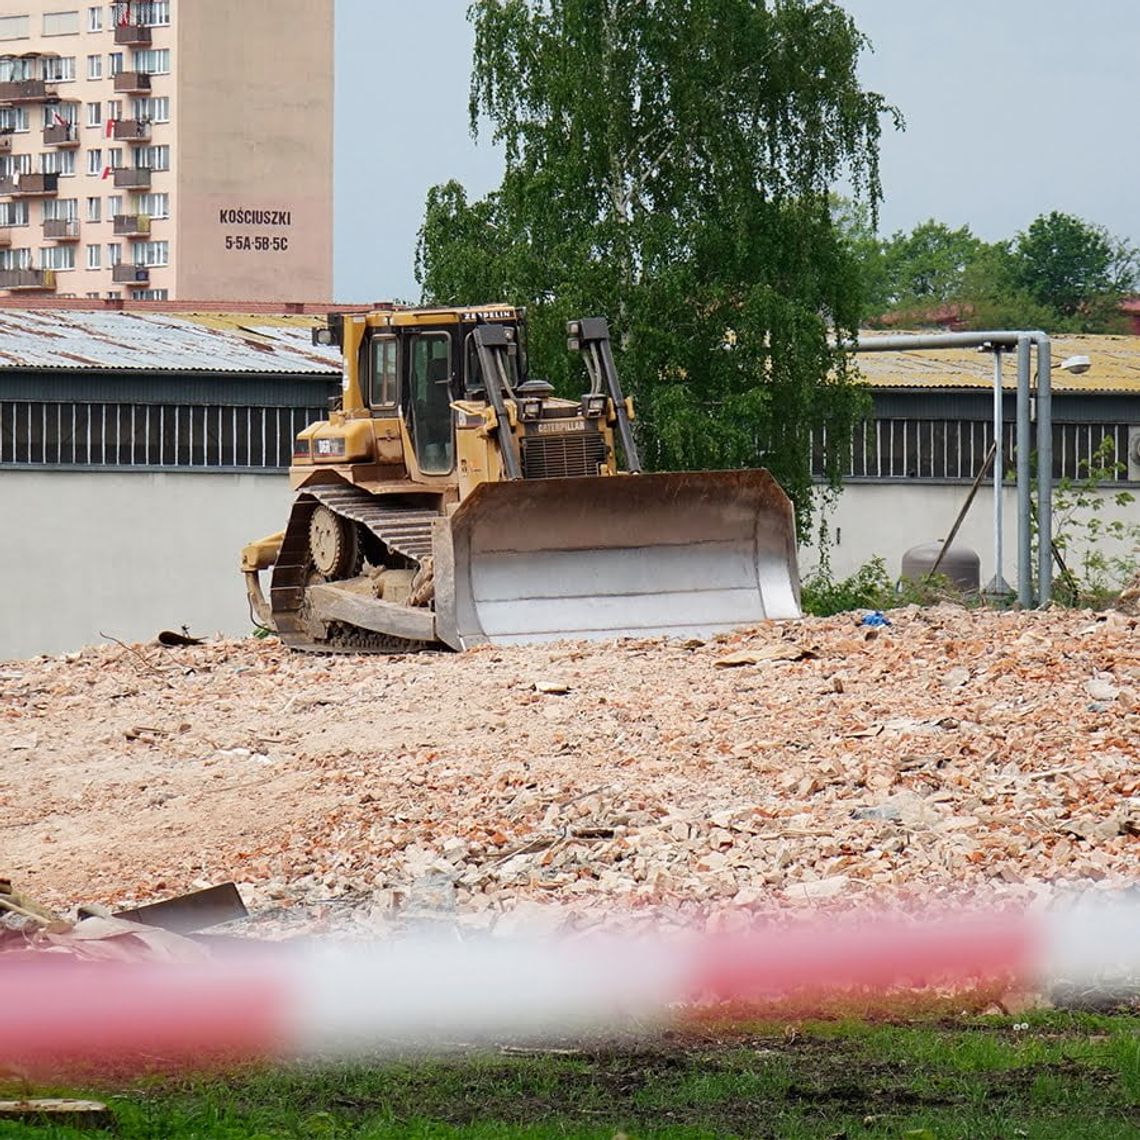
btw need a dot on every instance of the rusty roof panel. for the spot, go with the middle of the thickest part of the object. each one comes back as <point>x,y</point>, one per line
<point>157,342</point>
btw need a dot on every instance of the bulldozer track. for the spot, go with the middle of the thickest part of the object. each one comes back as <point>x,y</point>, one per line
<point>406,532</point>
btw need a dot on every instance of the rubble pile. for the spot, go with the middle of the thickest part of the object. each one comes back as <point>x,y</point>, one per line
<point>952,754</point>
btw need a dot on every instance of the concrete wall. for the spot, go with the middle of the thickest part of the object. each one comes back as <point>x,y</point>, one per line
<point>128,554</point>
<point>887,519</point>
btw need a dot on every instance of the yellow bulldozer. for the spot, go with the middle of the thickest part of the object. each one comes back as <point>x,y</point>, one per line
<point>453,499</point>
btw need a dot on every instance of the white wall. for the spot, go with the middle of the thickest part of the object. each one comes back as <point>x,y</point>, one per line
<point>128,554</point>
<point>887,519</point>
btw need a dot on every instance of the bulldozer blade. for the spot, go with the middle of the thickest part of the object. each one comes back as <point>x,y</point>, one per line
<point>681,555</point>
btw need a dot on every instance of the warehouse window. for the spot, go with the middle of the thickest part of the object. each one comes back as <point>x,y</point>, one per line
<point>149,435</point>
<point>955,450</point>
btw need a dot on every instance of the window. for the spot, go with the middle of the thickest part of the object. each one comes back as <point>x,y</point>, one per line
<point>58,162</point>
<point>114,109</point>
<point>152,158</point>
<point>15,69</point>
<point>115,157</point>
<point>94,114</point>
<point>14,27</point>
<point>152,13</point>
<point>61,24</point>
<point>384,390</point>
<point>150,253</point>
<point>57,257</point>
<point>114,205</point>
<point>14,213</point>
<point>94,257</point>
<point>95,67</point>
<point>59,68</point>
<point>61,209</point>
<point>12,165</point>
<point>114,254</point>
<point>153,110</point>
<point>152,61</point>
<point>154,205</point>
<point>95,19</point>
<point>150,294</point>
<point>15,259</point>
<point>60,114</point>
<point>95,162</point>
<point>94,209</point>
<point>115,59</point>
<point>428,404</point>
<point>14,120</point>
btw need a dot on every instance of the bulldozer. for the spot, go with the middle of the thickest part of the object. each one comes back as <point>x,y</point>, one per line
<point>450,499</point>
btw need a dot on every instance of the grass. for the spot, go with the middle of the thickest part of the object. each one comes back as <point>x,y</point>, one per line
<point>1064,1076</point>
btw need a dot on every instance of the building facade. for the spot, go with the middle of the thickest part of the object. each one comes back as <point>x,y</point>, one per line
<point>153,150</point>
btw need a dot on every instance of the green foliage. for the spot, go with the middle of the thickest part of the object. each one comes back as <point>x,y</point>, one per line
<point>705,235</point>
<point>872,588</point>
<point>1096,555</point>
<point>1062,274</point>
<point>1065,263</point>
<point>928,265</point>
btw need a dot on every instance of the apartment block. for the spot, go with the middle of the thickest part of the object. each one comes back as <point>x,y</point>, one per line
<point>156,150</point>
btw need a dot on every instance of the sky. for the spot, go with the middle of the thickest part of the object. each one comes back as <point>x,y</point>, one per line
<point>1013,108</point>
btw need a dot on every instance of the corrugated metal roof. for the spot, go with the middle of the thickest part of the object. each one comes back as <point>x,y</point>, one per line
<point>1115,366</point>
<point>154,342</point>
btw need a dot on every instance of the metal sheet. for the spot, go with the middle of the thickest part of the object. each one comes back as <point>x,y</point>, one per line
<point>78,339</point>
<point>636,555</point>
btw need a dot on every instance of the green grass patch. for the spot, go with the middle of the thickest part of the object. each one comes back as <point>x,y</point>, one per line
<point>1065,1076</point>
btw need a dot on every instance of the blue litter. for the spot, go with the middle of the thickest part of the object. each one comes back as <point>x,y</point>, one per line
<point>876,619</point>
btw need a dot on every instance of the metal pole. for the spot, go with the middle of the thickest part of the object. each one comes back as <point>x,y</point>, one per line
<point>998,586</point>
<point>1044,472</point>
<point>1024,444</point>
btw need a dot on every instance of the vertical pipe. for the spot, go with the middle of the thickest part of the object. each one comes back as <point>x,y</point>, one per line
<point>1024,538</point>
<point>1044,472</point>
<point>999,456</point>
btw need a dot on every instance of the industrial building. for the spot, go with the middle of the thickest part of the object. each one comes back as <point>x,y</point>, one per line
<point>139,451</point>
<point>166,149</point>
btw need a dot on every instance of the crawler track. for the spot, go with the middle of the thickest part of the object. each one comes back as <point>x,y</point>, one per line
<point>403,531</point>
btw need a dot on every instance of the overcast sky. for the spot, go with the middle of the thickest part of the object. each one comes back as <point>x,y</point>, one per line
<point>1013,108</point>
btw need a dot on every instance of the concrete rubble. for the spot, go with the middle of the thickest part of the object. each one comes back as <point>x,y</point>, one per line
<point>956,756</point>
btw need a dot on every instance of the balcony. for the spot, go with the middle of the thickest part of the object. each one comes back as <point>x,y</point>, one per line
<point>5,237</point>
<point>62,135</point>
<point>30,186</point>
<point>134,35</point>
<point>26,91</point>
<point>132,83</point>
<point>28,280</point>
<point>61,229</point>
<point>130,274</point>
<point>6,140</point>
<point>132,178</point>
<point>132,130</point>
<point>132,225</point>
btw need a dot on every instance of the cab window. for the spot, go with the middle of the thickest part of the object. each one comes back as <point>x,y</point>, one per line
<point>428,406</point>
<point>384,392</point>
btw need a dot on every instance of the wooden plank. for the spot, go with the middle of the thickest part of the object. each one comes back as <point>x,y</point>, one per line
<point>332,602</point>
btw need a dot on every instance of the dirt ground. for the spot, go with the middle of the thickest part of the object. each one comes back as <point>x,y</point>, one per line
<point>954,753</point>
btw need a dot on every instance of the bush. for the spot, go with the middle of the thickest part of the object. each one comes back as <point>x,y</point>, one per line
<point>872,588</point>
